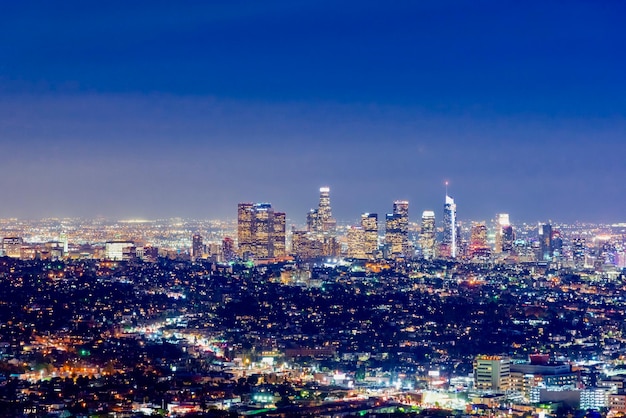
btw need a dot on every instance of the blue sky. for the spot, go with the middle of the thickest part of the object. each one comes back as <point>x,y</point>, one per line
<point>152,109</point>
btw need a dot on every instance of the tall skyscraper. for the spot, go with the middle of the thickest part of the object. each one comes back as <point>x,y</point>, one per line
<point>545,242</point>
<point>504,234</point>
<point>278,236</point>
<point>427,235</point>
<point>260,230</point>
<point>356,242</point>
<point>197,248</point>
<point>397,229</point>
<point>228,249</point>
<point>578,252</point>
<point>245,241</point>
<point>324,211</point>
<point>478,240</point>
<point>369,223</point>
<point>321,219</point>
<point>450,235</point>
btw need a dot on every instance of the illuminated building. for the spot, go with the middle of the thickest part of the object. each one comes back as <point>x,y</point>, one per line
<point>541,372</point>
<point>228,249</point>
<point>245,214</point>
<point>504,234</point>
<point>312,224</point>
<point>545,242</point>
<point>324,212</point>
<point>260,230</point>
<point>321,219</point>
<point>369,223</point>
<point>12,246</point>
<point>450,234</point>
<point>427,234</point>
<point>578,252</point>
<point>356,242</point>
<point>397,229</point>
<point>478,241</point>
<point>118,250</point>
<point>492,373</point>
<point>197,248</point>
<point>278,236</point>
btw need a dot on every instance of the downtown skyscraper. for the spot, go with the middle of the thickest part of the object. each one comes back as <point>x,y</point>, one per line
<point>449,244</point>
<point>397,229</point>
<point>427,239</point>
<point>321,219</point>
<point>260,231</point>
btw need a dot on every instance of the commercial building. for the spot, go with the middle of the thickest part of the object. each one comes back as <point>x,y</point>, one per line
<point>492,373</point>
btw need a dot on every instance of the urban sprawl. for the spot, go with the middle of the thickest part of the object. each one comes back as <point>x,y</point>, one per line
<point>250,317</point>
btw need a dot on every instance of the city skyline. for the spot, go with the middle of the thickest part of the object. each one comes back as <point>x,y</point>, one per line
<point>156,110</point>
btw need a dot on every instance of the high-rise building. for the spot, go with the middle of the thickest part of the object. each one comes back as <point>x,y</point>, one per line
<point>356,242</point>
<point>504,234</point>
<point>260,230</point>
<point>478,241</point>
<point>427,235</point>
<point>450,233</point>
<point>197,248</point>
<point>369,223</point>
<point>245,233</point>
<point>228,249</point>
<point>321,219</point>
<point>578,252</point>
<point>545,242</point>
<point>278,238</point>
<point>397,229</point>
<point>393,235</point>
<point>492,373</point>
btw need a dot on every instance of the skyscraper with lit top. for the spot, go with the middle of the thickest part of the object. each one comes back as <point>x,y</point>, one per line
<point>321,220</point>
<point>449,241</point>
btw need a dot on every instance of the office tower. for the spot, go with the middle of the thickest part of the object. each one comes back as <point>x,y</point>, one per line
<point>478,241</point>
<point>12,246</point>
<point>492,373</point>
<point>545,242</point>
<point>393,236</point>
<point>197,248</point>
<point>278,238</point>
<point>557,245</point>
<point>504,234</point>
<point>321,219</point>
<point>450,233</point>
<point>312,223</point>
<point>427,235</point>
<point>260,230</point>
<point>228,249</point>
<point>356,242</point>
<point>245,214</point>
<point>578,252</point>
<point>397,229</point>
<point>324,211</point>
<point>369,223</point>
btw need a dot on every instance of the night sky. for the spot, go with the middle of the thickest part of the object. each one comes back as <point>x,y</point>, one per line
<point>149,109</point>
